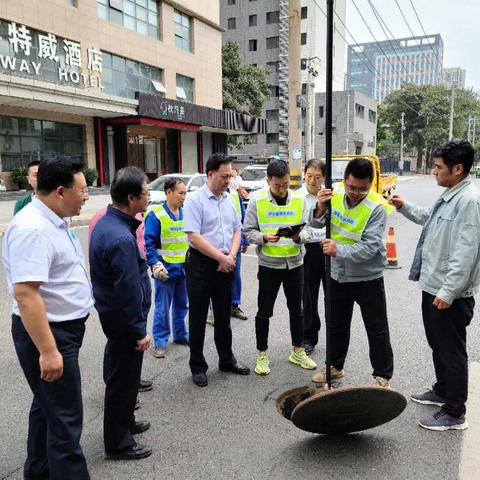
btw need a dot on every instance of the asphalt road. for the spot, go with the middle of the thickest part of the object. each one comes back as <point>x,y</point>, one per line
<point>231,430</point>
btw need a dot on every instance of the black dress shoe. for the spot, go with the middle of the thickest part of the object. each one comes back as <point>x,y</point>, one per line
<point>309,348</point>
<point>145,385</point>
<point>200,379</point>
<point>235,368</point>
<point>139,426</point>
<point>136,452</point>
<point>181,342</point>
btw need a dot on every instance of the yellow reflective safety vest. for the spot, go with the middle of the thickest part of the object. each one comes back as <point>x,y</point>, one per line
<point>348,224</point>
<point>172,237</point>
<point>271,217</point>
<point>236,201</point>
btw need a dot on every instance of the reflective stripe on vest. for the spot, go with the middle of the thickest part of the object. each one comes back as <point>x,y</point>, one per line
<point>271,217</point>
<point>173,238</point>
<point>348,224</point>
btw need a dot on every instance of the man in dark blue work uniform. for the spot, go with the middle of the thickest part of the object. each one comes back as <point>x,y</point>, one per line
<point>122,293</point>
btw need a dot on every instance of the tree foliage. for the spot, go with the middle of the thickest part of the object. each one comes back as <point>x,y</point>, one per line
<point>245,87</point>
<point>427,117</point>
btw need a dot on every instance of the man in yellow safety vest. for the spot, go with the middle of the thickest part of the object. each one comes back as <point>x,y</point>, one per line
<point>166,245</point>
<point>280,259</point>
<point>358,222</point>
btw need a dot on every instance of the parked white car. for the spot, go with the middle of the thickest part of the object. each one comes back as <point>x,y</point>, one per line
<point>193,181</point>
<point>254,177</point>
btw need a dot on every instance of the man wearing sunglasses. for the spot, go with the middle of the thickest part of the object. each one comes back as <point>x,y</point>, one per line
<point>358,220</point>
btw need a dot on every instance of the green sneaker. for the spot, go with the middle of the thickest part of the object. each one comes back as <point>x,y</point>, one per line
<point>262,368</point>
<point>302,359</point>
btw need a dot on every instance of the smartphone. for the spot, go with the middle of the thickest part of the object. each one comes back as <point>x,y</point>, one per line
<point>290,231</point>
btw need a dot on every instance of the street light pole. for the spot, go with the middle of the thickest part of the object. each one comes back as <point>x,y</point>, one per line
<point>452,108</point>
<point>402,128</point>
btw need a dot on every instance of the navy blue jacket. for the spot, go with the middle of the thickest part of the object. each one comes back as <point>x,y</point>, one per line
<point>121,287</point>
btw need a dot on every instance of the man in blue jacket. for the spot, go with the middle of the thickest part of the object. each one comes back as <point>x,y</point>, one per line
<point>166,244</point>
<point>122,293</point>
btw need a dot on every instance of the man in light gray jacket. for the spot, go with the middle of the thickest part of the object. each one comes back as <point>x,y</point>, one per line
<point>447,267</point>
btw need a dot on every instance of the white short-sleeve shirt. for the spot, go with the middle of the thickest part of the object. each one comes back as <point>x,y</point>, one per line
<point>38,246</point>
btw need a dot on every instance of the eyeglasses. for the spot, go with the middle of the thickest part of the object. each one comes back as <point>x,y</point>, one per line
<point>81,190</point>
<point>356,191</point>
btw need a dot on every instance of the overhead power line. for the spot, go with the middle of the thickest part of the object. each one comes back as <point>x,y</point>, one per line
<point>425,33</point>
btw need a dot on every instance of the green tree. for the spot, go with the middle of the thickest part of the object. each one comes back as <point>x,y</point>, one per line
<point>427,117</point>
<point>245,88</point>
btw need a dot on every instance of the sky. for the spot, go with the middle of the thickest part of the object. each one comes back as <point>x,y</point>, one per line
<point>456,21</point>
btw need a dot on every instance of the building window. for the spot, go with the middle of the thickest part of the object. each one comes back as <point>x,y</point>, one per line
<point>273,17</point>
<point>304,88</point>
<point>320,111</point>
<point>271,115</point>
<point>303,64</point>
<point>273,67</point>
<point>303,38</point>
<point>232,23</point>
<point>358,150</point>
<point>252,20</point>
<point>184,88</point>
<point>359,111</point>
<point>272,137</point>
<point>272,42</point>
<point>138,15</point>
<point>252,45</point>
<point>183,26</point>
<point>372,116</point>
<point>23,140</point>
<point>123,77</point>
<point>231,2</point>
<point>275,90</point>
<point>73,3</point>
<point>304,12</point>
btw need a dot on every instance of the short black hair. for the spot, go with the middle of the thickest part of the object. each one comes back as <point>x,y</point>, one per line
<point>216,160</point>
<point>317,164</point>
<point>33,163</point>
<point>57,172</point>
<point>171,183</point>
<point>127,181</point>
<point>456,152</point>
<point>360,168</point>
<point>277,168</point>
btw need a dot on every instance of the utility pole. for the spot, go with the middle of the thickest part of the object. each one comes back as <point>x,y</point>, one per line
<point>452,108</point>
<point>402,128</point>
<point>294,93</point>
<point>310,110</point>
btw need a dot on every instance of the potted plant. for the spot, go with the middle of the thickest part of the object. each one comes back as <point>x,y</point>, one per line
<point>91,175</point>
<point>19,176</point>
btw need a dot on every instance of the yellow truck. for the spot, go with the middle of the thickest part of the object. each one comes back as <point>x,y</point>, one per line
<point>382,183</point>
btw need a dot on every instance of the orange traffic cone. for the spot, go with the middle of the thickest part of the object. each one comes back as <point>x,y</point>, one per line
<point>392,249</point>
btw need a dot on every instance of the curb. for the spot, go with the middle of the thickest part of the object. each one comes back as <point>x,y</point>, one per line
<point>79,221</point>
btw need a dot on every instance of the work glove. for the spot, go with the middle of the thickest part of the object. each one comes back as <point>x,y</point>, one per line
<point>159,271</point>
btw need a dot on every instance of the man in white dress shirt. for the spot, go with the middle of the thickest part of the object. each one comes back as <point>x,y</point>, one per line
<point>52,295</point>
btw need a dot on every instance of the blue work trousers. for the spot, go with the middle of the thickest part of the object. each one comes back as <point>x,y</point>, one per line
<point>170,295</point>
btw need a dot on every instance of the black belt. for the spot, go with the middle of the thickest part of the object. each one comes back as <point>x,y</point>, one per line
<point>313,245</point>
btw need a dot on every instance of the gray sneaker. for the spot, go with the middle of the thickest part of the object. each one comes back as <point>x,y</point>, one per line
<point>430,397</point>
<point>441,421</point>
<point>159,352</point>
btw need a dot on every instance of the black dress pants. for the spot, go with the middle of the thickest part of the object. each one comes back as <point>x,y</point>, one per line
<point>314,275</point>
<point>204,284</point>
<point>370,295</point>
<point>122,366</point>
<point>56,414</point>
<point>269,282</point>
<point>446,332</point>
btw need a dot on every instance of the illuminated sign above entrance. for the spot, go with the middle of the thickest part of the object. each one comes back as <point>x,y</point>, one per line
<point>33,54</point>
